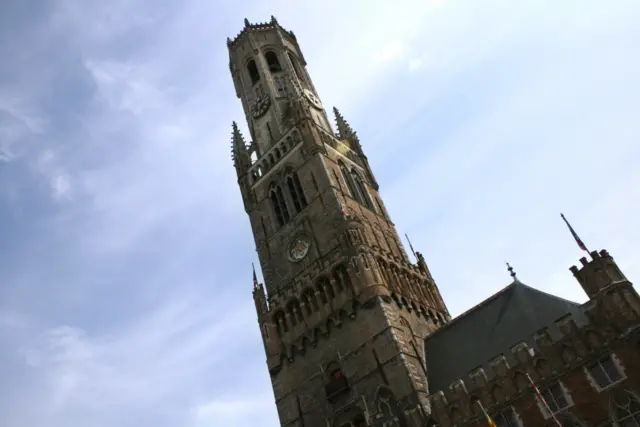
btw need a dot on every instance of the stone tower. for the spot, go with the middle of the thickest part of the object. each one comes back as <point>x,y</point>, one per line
<point>343,310</point>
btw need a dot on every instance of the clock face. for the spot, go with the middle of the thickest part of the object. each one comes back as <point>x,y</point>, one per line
<point>299,248</point>
<point>313,100</point>
<point>260,106</point>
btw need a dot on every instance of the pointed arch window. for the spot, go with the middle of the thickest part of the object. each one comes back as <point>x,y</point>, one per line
<point>272,61</point>
<point>362,189</point>
<point>353,191</point>
<point>252,69</point>
<point>295,191</point>
<point>279,206</point>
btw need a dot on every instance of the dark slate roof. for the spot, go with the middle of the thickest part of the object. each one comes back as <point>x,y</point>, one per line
<point>492,327</point>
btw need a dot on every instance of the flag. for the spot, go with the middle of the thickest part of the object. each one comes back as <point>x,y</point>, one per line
<point>575,235</point>
<point>489,420</point>
<point>255,278</point>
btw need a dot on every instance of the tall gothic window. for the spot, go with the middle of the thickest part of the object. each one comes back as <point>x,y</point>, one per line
<point>252,69</point>
<point>295,191</point>
<point>362,189</point>
<point>279,206</point>
<point>353,191</point>
<point>272,61</point>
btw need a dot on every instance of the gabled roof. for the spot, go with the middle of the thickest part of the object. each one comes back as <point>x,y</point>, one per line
<point>492,327</point>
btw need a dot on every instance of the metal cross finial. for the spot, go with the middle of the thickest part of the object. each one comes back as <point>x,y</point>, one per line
<point>511,272</point>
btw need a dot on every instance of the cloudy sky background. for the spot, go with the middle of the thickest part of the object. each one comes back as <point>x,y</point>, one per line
<point>125,253</point>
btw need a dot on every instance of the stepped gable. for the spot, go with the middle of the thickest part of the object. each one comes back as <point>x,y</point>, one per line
<point>490,328</point>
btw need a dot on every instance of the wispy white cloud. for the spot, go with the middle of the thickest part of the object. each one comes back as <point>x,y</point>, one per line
<point>127,304</point>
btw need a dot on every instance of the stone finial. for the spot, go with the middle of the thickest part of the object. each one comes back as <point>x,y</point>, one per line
<point>246,23</point>
<point>274,21</point>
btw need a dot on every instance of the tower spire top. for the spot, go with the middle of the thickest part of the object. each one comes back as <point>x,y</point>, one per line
<point>344,130</point>
<point>512,272</point>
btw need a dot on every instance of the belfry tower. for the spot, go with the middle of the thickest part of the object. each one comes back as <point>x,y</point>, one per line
<point>343,310</point>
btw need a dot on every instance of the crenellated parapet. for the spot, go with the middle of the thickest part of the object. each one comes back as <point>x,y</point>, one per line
<point>261,26</point>
<point>545,357</point>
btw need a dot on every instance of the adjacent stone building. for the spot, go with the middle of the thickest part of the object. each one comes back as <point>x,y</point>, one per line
<point>583,358</point>
<point>357,334</point>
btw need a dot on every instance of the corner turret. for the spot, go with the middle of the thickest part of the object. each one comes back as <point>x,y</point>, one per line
<point>597,274</point>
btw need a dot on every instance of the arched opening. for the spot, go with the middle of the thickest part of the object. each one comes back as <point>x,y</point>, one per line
<point>272,61</point>
<point>252,69</point>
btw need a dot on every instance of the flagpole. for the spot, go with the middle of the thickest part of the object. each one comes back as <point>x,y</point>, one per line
<point>544,402</point>
<point>578,240</point>
<point>410,245</point>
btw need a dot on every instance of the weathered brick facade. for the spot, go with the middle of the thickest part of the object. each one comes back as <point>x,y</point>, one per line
<point>343,311</point>
<point>565,355</point>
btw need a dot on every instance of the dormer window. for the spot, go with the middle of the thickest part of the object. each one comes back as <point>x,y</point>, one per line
<point>272,62</point>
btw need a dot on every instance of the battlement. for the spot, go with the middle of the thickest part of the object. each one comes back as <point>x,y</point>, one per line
<point>262,26</point>
<point>550,352</point>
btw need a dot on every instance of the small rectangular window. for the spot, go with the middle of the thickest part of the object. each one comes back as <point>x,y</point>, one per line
<point>605,372</point>
<point>555,398</point>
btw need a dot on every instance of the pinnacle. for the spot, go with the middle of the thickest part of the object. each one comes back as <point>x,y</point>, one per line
<point>344,130</point>
<point>236,136</point>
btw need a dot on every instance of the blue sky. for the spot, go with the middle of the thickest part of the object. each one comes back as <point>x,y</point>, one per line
<point>125,252</point>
